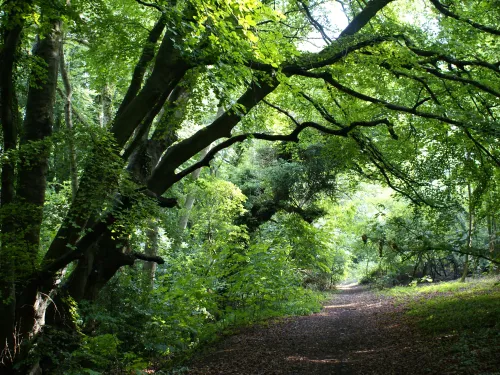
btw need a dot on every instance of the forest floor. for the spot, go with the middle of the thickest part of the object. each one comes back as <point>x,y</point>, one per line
<point>357,332</point>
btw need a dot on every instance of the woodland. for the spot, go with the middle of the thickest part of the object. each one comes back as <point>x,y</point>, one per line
<point>173,169</point>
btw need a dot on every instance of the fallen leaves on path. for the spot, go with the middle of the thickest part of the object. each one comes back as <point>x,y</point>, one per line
<point>357,332</point>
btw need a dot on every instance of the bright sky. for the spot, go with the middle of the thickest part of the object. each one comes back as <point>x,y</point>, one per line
<point>331,16</point>
<point>333,19</point>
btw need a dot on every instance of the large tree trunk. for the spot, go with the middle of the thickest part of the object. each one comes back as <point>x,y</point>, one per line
<point>96,183</point>
<point>108,255</point>
<point>35,151</point>
<point>22,244</point>
<point>9,120</point>
<point>141,165</point>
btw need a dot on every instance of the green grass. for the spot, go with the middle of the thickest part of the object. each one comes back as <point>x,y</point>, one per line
<point>468,313</point>
<point>472,286</point>
<point>463,310</point>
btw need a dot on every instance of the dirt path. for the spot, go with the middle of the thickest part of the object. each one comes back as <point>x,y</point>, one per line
<point>358,332</point>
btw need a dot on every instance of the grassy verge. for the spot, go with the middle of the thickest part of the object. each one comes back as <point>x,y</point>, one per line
<point>465,317</point>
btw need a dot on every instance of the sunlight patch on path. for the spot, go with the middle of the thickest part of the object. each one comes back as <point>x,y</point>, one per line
<point>354,304</point>
<point>305,359</point>
<point>347,286</point>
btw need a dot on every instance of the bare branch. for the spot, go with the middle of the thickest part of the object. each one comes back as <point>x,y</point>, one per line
<point>315,23</point>
<point>282,111</point>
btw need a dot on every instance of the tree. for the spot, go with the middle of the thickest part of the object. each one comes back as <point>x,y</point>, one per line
<point>378,84</point>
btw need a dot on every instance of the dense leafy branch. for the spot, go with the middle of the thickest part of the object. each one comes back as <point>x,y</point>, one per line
<point>327,77</point>
<point>455,78</point>
<point>447,12</point>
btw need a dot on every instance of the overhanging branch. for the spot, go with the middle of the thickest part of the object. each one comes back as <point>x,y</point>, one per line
<point>315,23</point>
<point>148,258</point>
<point>291,137</point>
<point>327,77</point>
<point>151,5</point>
<point>447,12</point>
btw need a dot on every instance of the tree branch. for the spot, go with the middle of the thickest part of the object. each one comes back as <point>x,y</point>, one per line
<point>163,175</point>
<point>315,23</point>
<point>282,111</point>
<point>455,78</point>
<point>482,148</point>
<point>151,5</point>
<point>327,77</point>
<point>147,55</point>
<point>444,9</point>
<point>291,137</point>
<point>148,258</point>
<point>361,19</point>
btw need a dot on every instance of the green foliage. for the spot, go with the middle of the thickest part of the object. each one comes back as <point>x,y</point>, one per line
<point>203,289</point>
<point>98,350</point>
<point>271,224</point>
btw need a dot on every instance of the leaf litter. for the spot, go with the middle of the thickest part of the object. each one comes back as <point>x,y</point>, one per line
<point>357,332</point>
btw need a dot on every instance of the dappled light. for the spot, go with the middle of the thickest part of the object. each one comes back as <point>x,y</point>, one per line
<point>340,306</point>
<point>340,339</point>
<point>304,359</point>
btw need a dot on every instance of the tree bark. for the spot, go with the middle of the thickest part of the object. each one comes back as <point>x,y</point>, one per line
<point>23,244</point>
<point>163,176</point>
<point>183,220</point>
<point>35,148</point>
<point>469,232</point>
<point>68,116</point>
<point>151,249</point>
<point>9,119</point>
